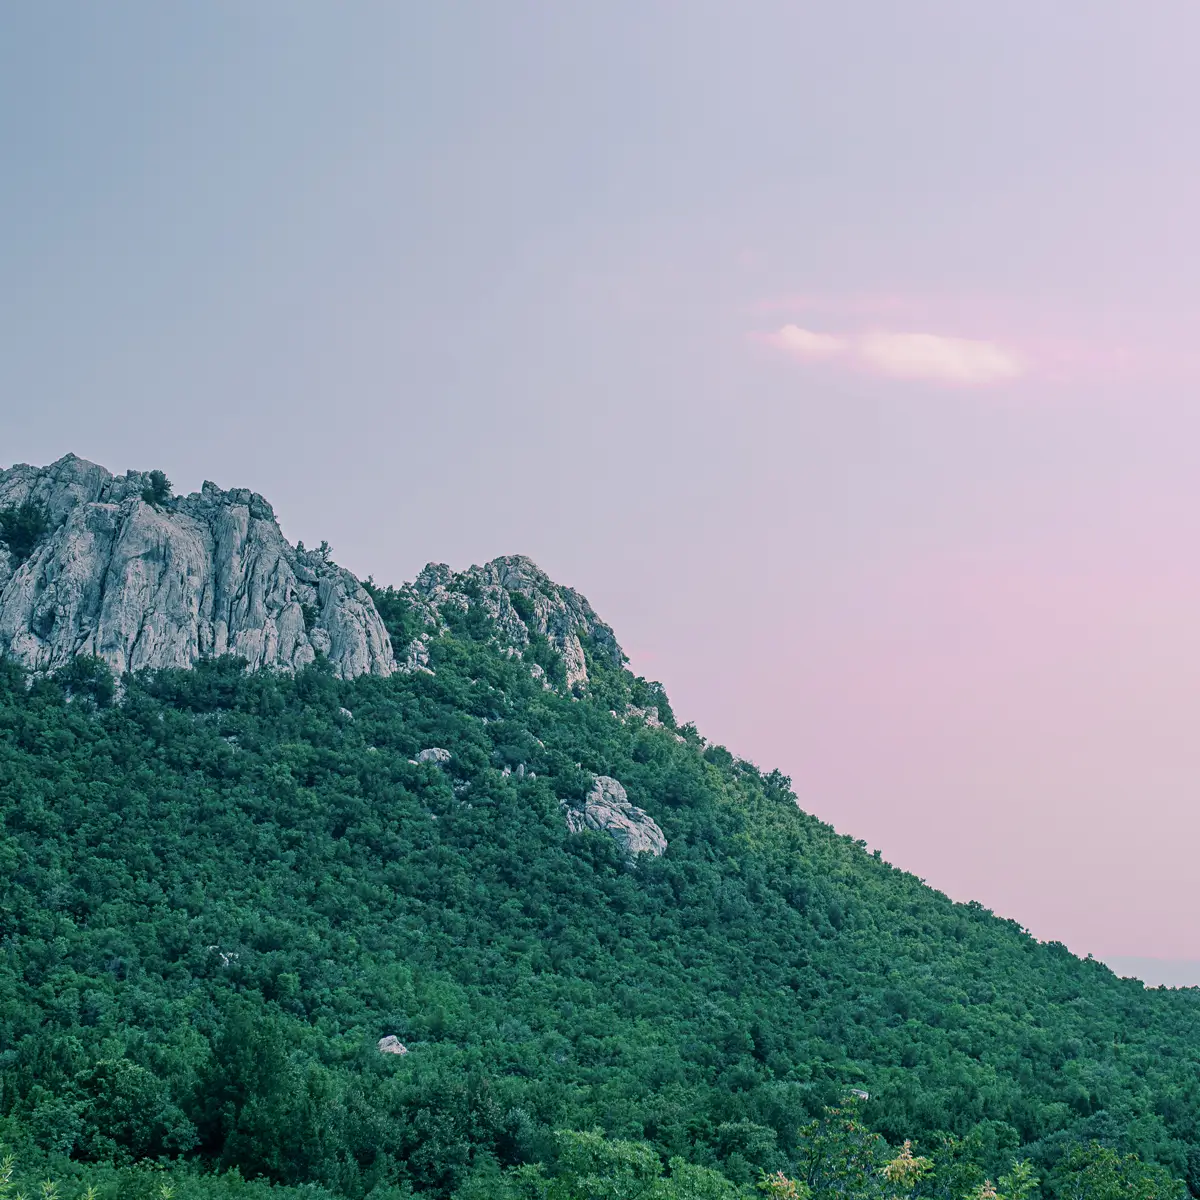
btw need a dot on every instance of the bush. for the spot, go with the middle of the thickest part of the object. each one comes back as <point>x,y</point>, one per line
<point>22,527</point>
<point>88,677</point>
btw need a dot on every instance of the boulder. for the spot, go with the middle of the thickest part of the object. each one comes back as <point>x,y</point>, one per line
<point>435,755</point>
<point>391,1045</point>
<point>607,809</point>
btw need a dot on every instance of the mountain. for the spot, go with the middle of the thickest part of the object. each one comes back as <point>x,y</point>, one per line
<point>471,914</point>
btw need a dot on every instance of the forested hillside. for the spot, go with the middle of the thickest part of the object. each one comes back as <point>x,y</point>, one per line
<point>219,890</point>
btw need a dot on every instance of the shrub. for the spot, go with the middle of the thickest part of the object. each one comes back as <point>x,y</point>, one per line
<point>157,490</point>
<point>22,527</point>
<point>88,677</point>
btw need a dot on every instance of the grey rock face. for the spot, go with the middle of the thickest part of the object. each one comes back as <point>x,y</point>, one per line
<point>523,604</point>
<point>607,809</point>
<point>391,1045</point>
<point>141,585</point>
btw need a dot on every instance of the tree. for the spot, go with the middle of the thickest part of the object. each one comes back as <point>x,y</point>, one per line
<point>89,678</point>
<point>840,1156</point>
<point>130,1110</point>
<point>1096,1172</point>
<point>22,526</point>
<point>591,1168</point>
<point>157,490</point>
<point>904,1172</point>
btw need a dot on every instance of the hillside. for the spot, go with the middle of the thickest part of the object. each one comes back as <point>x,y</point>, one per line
<point>220,889</point>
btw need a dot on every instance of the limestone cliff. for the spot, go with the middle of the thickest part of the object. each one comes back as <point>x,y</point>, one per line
<point>144,584</point>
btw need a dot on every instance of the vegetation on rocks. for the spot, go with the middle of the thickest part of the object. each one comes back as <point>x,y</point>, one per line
<point>22,526</point>
<point>157,490</point>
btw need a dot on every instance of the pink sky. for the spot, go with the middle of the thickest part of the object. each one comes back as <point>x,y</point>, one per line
<point>846,358</point>
<point>1018,727</point>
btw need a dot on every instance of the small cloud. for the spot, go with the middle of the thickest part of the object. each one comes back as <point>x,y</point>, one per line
<point>943,359</point>
<point>929,356</point>
<point>807,344</point>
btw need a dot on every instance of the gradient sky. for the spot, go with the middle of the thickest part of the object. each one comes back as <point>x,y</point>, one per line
<point>844,356</point>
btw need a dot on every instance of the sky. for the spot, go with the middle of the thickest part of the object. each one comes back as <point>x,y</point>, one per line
<point>844,356</point>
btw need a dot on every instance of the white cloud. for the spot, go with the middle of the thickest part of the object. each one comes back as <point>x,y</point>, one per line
<point>943,359</point>
<point>930,356</point>
<point>807,344</point>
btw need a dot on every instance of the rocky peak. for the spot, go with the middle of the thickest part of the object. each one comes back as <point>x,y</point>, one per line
<point>523,606</point>
<point>165,583</point>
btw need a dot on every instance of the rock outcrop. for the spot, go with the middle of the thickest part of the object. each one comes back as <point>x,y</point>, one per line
<point>523,605</point>
<point>437,755</point>
<point>391,1045</point>
<point>607,809</point>
<point>118,569</point>
<point>144,584</point>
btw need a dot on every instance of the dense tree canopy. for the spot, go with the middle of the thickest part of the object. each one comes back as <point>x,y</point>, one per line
<point>219,891</point>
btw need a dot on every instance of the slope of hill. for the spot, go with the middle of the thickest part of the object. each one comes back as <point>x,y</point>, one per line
<point>218,895</point>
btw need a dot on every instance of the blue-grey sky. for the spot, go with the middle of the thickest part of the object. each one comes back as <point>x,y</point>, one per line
<point>843,355</point>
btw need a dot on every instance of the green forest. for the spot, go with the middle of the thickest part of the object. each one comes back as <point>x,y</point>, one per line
<point>219,890</point>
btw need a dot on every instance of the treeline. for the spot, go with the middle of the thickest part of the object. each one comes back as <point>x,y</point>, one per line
<point>840,1160</point>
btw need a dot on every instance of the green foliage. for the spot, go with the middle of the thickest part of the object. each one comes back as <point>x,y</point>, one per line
<point>591,1167</point>
<point>311,615</point>
<point>540,651</point>
<point>1097,1172</point>
<point>396,610</point>
<point>1018,1184</point>
<point>157,490</point>
<point>22,527</point>
<point>62,1180</point>
<point>839,1156</point>
<point>88,678</point>
<point>218,894</point>
<point>523,606</point>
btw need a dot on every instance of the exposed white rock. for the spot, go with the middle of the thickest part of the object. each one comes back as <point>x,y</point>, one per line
<point>435,755</point>
<point>522,603</point>
<point>345,712</point>
<point>391,1045</point>
<point>607,809</point>
<point>142,585</point>
<point>416,657</point>
<point>649,716</point>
